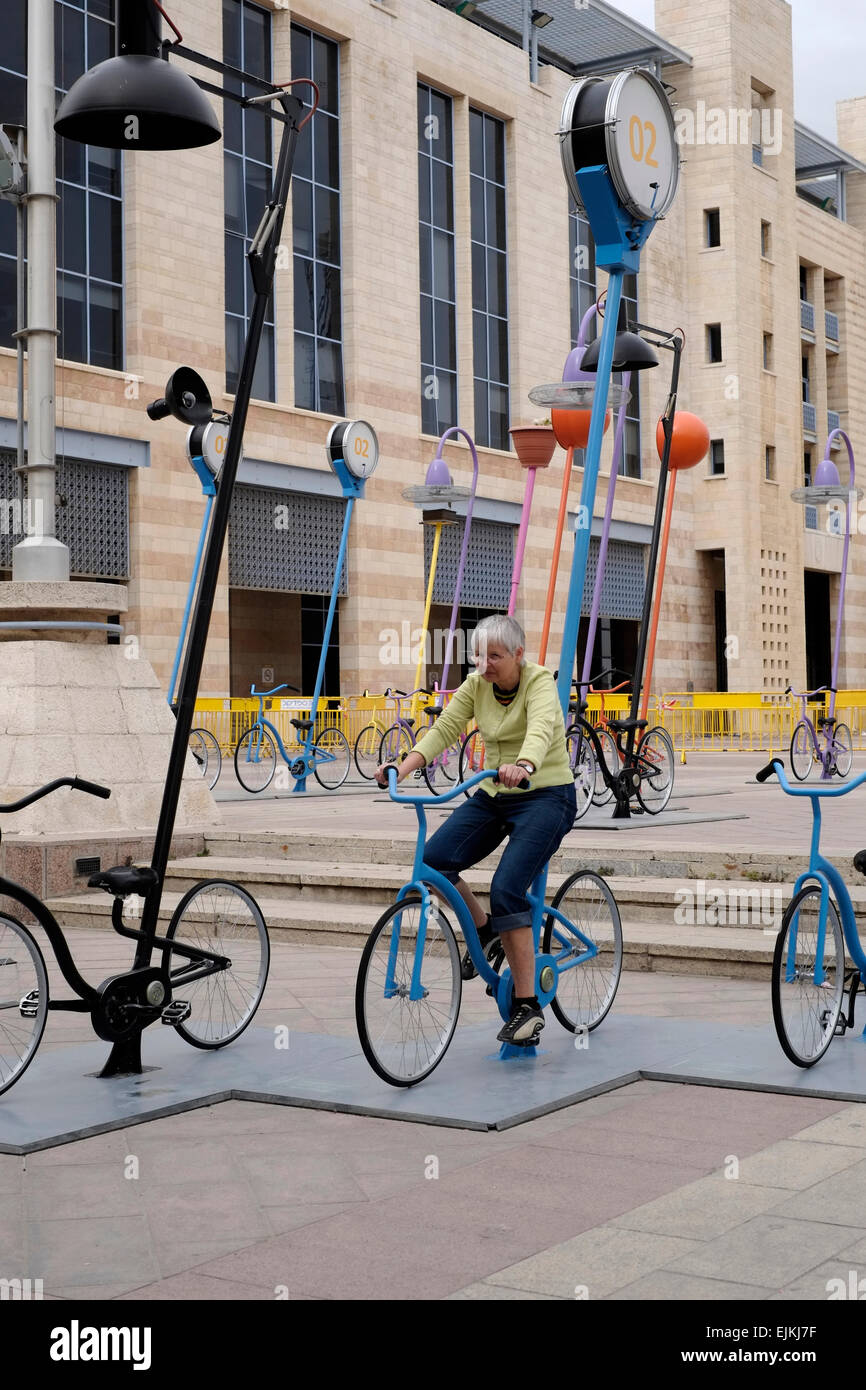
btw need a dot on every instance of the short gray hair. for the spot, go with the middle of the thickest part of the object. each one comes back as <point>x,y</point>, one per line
<point>498,628</point>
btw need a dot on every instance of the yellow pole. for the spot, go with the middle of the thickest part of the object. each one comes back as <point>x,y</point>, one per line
<point>434,560</point>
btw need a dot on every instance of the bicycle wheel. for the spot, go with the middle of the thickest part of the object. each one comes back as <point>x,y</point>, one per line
<point>441,774</point>
<point>806,1013</point>
<point>255,759</point>
<point>655,762</point>
<point>333,747</point>
<point>221,917</point>
<point>581,758</point>
<point>395,743</point>
<point>206,751</point>
<point>603,793</point>
<point>367,751</point>
<point>843,750</point>
<point>404,1039</point>
<point>471,757</point>
<point>801,752</point>
<point>22,978</point>
<point>585,992</point>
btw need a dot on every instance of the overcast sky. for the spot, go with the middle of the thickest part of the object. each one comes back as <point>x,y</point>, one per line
<point>829,55</point>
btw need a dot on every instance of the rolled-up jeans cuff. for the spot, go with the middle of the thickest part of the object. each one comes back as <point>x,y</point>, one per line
<point>511,921</point>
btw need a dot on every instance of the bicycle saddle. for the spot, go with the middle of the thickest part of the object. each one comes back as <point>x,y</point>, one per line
<point>432,709</point>
<point>860,861</point>
<point>124,880</point>
<point>578,706</point>
<point>302,723</point>
<point>623,725</point>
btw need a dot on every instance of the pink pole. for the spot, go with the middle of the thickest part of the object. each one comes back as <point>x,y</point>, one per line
<point>521,540</point>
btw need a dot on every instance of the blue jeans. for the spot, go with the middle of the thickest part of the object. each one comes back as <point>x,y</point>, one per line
<point>535,822</point>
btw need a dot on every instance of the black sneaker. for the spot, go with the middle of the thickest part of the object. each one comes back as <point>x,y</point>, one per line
<point>486,938</point>
<point>524,1025</point>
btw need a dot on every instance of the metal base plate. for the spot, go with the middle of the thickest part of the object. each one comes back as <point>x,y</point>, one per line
<point>60,1098</point>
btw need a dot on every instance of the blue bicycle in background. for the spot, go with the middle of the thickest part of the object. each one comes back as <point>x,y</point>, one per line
<point>329,757</point>
<point>408,991</point>
<point>811,973</point>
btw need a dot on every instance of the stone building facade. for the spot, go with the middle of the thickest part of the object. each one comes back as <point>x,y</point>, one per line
<point>753,262</point>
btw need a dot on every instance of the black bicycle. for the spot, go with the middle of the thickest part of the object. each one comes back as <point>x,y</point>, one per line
<point>215,954</point>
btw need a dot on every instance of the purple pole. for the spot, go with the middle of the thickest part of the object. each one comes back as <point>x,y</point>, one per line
<point>602,548</point>
<point>456,429</point>
<point>840,434</point>
<point>521,540</point>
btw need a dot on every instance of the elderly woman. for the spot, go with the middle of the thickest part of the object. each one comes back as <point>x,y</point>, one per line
<point>515,706</point>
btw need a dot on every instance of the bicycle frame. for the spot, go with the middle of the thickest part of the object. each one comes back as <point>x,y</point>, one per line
<point>424,878</point>
<point>827,876</point>
<point>315,758</point>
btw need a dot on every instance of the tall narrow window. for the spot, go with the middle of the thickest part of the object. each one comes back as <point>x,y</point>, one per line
<point>766,240</point>
<point>582,270</point>
<point>489,278</point>
<point>769,462</point>
<point>437,260</point>
<point>629,465</point>
<point>712,227</point>
<point>89,211</point>
<point>804,378</point>
<point>316,215</point>
<point>717,457</point>
<point>768,352</point>
<point>714,342</point>
<point>248,166</point>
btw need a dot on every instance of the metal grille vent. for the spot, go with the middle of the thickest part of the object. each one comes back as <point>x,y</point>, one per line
<point>92,518</point>
<point>622,591</point>
<point>287,542</point>
<point>487,578</point>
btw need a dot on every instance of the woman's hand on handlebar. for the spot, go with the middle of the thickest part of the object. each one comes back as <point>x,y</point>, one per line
<point>510,775</point>
<point>411,763</point>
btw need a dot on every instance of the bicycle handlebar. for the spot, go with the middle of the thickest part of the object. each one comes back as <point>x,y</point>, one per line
<point>611,690</point>
<point>777,766</point>
<point>76,783</point>
<point>262,694</point>
<point>391,774</point>
<point>809,694</point>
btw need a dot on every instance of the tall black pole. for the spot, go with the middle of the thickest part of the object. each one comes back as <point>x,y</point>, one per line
<point>262,265</point>
<point>652,563</point>
<point>139,28</point>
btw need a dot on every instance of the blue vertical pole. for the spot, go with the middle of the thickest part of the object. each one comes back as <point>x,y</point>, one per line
<point>591,467</point>
<point>181,643</point>
<point>301,782</point>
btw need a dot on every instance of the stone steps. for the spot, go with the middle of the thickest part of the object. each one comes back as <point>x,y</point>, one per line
<point>720,903</point>
<point>676,950</point>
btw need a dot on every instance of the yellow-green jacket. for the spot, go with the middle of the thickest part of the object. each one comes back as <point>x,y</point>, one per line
<point>530,727</point>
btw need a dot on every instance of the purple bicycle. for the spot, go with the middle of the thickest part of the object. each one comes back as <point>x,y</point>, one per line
<point>828,746</point>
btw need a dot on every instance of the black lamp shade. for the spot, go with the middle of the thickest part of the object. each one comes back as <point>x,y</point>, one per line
<point>630,354</point>
<point>137,103</point>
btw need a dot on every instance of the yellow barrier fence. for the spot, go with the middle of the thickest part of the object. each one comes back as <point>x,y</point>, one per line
<point>697,721</point>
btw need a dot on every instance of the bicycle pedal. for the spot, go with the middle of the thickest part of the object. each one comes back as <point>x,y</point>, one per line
<point>178,1011</point>
<point>841,1027</point>
<point>29,1005</point>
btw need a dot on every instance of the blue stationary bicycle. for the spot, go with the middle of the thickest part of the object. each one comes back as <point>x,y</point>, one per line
<point>328,757</point>
<point>408,991</point>
<point>811,974</point>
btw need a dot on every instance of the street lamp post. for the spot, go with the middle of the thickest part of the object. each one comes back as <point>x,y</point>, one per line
<point>40,556</point>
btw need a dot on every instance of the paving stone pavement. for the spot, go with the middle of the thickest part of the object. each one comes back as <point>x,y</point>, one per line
<point>654,1191</point>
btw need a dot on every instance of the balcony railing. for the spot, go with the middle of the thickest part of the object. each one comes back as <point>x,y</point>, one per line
<point>757,155</point>
<point>811,518</point>
<point>807,316</point>
<point>810,418</point>
<point>831,327</point>
<point>833,421</point>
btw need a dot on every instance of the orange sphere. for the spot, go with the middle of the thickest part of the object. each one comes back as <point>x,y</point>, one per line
<point>571,427</point>
<point>690,442</point>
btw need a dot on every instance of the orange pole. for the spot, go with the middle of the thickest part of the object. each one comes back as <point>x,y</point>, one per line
<point>657,601</point>
<point>557,546</point>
